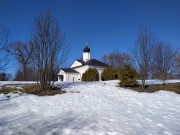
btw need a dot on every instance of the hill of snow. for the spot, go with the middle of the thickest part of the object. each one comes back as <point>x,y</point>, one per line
<point>97,108</point>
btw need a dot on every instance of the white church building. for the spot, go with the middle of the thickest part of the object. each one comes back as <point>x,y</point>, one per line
<point>76,70</point>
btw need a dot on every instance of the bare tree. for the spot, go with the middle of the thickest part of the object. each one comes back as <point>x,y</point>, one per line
<point>143,52</point>
<point>117,59</point>
<point>22,52</point>
<point>5,77</point>
<point>50,49</point>
<point>4,36</point>
<point>178,62</point>
<point>126,60</point>
<point>164,60</point>
<point>178,66</point>
<point>31,73</point>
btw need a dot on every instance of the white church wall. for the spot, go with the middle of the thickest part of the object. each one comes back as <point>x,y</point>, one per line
<point>61,72</point>
<point>76,64</point>
<point>71,77</point>
<point>81,70</point>
<point>68,77</point>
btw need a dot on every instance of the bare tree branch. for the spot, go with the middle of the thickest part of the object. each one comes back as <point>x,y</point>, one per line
<point>117,59</point>
<point>164,60</point>
<point>4,36</point>
<point>22,52</point>
<point>143,52</point>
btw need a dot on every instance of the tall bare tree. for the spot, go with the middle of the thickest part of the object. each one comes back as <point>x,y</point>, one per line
<point>31,73</point>
<point>50,49</point>
<point>143,53</point>
<point>164,60</point>
<point>178,62</point>
<point>22,52</point>
<point>5,77</point>
<point>117,59</point>
<point>4,36</point>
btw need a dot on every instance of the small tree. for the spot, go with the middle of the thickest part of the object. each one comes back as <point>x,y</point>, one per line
<point>109,73</point>
<point>90,75</point>
<point>128,76</point>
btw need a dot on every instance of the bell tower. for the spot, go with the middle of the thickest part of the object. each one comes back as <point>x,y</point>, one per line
<point>86,53</point>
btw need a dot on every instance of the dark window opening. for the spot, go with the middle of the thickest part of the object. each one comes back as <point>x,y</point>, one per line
<point>61,77</point>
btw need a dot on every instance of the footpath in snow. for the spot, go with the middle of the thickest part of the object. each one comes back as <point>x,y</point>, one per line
<point>97,108</point>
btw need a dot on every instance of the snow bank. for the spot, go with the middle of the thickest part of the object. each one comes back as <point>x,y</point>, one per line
<point>156,81</point>
<point>97,108</point>
<point>2,83</point>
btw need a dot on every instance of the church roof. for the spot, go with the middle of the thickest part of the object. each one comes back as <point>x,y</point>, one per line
<point>86,49</point>
<point>92,62</point>
<point>69,70</point>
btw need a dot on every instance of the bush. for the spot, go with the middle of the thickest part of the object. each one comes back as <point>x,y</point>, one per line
<point>109,73</point>
<point>127,76</point>
<point>90,75</point>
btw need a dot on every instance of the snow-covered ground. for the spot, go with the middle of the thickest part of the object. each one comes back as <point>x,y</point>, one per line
<point>97,108</point>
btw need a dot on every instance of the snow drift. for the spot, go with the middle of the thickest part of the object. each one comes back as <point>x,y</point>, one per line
<point>97,108</point>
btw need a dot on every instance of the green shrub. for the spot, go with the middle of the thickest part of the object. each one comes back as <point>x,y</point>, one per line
<point>127,76</point>
<point>109,73</point>
<point>90,75</point>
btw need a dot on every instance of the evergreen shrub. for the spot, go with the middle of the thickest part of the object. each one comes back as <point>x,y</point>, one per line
<point>109,73</point>
<point>127,76</point>
<point>90,75</point>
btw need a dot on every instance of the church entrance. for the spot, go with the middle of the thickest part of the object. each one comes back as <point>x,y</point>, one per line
<point>61,77</point>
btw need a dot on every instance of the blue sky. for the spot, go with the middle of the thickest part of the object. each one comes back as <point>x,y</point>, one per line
<point>108,24</point>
